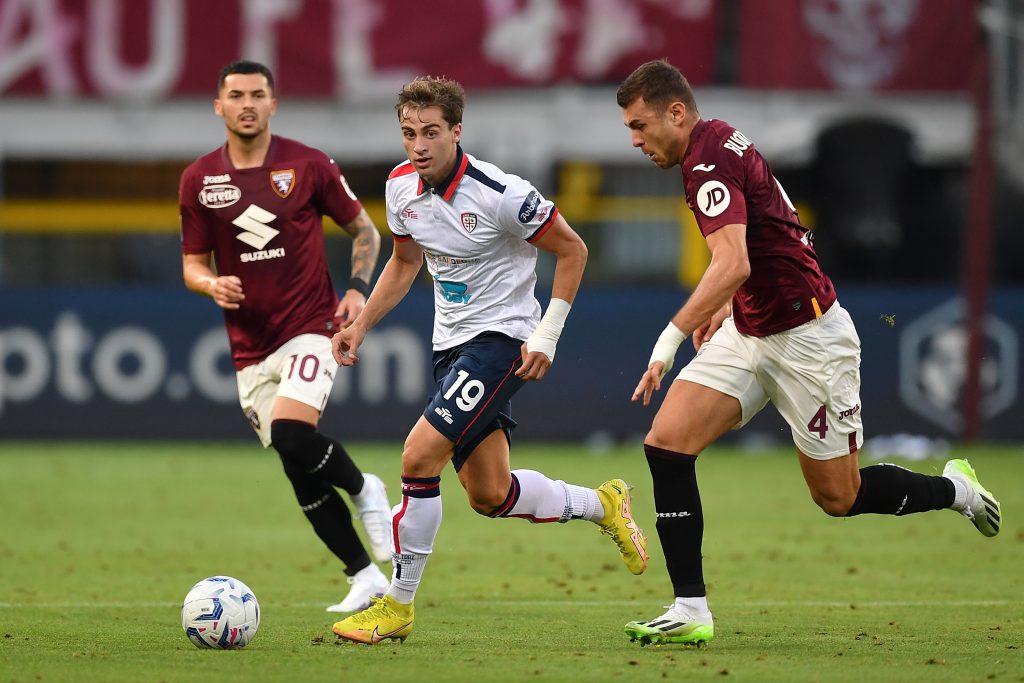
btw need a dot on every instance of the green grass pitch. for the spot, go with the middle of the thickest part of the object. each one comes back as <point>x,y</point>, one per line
<point>100,542</point>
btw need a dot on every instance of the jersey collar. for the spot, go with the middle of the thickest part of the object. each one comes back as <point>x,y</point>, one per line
<point>226,158</point>
<point>698,130</point>
<point>446,188</point>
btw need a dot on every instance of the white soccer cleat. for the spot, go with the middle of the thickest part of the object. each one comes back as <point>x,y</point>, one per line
<point>674,626</point>
<point>981,507</point>
<point>374,511</point>
<point>367,583</point>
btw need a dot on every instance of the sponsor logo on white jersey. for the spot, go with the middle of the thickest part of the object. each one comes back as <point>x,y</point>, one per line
<point>211,179</point>
<point>713,198</point>
<point>283,181</point>
<point>219,196</point>
<point>708,168</point>
<point>529,208</point>
<point>409,213</point>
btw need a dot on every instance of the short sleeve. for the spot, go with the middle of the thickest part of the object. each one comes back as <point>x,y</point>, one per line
<point>196,235</point>
<point>335,197</point>
<point>396,219</point>
<point>524,211</point>
<point>718,197</point>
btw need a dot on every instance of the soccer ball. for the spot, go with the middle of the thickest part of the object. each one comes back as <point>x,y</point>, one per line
<point>220,612</point>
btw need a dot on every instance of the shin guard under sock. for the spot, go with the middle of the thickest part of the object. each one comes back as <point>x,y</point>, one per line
<point>680,518</point>
<point>893,490</point>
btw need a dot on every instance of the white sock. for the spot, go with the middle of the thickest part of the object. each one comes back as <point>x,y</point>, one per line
<point>960,493</point>
<point>540,500</point>
<point>693,606</point>
<point>415,522</point>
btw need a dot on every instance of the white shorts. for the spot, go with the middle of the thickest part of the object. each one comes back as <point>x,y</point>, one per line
<point>811,374</point>
<point>303,369</point>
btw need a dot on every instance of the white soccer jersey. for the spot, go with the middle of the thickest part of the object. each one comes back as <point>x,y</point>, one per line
<point>475,229</point>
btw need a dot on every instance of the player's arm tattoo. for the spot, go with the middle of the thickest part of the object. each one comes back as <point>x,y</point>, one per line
<point>365,246</point>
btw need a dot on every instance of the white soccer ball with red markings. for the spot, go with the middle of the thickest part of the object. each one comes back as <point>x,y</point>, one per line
<point>220,612</point>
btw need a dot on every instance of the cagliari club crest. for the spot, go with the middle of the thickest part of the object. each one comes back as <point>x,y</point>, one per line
<point>283,181</point>
<point>469,221</point>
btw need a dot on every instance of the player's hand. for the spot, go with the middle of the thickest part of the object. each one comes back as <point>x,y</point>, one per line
<point>650,382</point>
<point>345,343</point>
<point>535,364</point>
<point>349,308</point>
<point>705,331</point>
<point>226,292</point>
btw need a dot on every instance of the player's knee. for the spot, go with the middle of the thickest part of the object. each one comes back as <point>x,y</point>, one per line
<point>292,439</point>
<point>834,503</point>
<point>485,502</point>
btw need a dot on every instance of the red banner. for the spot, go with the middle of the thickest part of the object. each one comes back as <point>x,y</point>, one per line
<point>861,45</point>
<point>346,49</point>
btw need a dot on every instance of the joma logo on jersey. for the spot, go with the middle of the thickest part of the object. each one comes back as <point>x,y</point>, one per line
<point>469,221</point>
<point>222,178</point>
<point>283,182</point>
<point>219,196</point>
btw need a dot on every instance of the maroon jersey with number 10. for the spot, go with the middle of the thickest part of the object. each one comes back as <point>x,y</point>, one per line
<point>265,226</point>
<point>727,181</point>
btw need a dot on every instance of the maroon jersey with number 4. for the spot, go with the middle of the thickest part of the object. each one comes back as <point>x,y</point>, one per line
<point>727,181</point>
<point>265,226</point>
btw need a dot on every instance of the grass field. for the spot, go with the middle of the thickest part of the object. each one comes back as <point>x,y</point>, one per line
<point>100,542</point>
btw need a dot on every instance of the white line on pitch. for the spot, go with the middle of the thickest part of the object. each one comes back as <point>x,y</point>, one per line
<point>560,603</point>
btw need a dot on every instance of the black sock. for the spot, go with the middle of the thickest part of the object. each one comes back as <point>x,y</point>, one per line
<point>323,457</point>
<point>680,518</point>
<point>895,490</point>
<point>330,518</point>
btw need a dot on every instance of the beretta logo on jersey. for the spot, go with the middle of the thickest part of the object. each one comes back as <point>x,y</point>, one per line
<point>469,221</point>
<point>529,208</point>
<point>283,181</point>
<point>219,196</point>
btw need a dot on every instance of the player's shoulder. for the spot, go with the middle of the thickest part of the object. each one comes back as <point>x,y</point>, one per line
<point>716,144</point>
<point>291,149</point>
<point>489,178</point>
<point>211,163</point>
<point>403,170</point>
<point>403,180</point>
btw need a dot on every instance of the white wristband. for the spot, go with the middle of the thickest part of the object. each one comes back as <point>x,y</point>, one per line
<point>545,337</point>
<point>666,346</point>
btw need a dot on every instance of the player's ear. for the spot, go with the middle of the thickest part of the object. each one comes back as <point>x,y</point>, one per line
<point>218,108</point>
<point>457,131</point>
<point>677,112</point>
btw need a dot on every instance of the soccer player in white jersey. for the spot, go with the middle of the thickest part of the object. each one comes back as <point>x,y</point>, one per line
<point>255,207</point>
<point>478,229</point>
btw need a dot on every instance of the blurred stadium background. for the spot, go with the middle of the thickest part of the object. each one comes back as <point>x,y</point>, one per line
<point>895,126</point>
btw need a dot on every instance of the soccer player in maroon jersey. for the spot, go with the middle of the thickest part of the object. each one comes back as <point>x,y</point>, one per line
<point>255,207</point>
<point>767,327</point>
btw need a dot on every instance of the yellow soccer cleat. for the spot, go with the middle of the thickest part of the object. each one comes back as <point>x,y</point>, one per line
<point>618,523</point>
<point>385,619</point>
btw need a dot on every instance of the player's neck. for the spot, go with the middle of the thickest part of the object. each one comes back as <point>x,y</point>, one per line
<point>248,152</point>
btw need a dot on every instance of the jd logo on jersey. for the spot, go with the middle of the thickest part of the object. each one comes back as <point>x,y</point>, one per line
<point>713,198</point>
<point>469,221</point>
<point>283,182</point>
